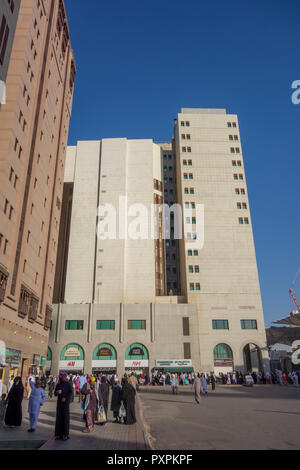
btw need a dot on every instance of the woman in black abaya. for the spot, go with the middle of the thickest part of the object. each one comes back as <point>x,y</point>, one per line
<point>128,398</point>
<point>13,415</point>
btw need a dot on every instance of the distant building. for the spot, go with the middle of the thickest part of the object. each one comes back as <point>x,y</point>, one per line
<point>34,125</point>
<point>9,11</point>
<point>112,294</point>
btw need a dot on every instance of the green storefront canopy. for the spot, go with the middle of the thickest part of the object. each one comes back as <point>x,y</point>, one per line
<point>176,369</point>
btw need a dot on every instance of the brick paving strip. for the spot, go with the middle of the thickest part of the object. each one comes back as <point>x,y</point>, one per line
<point>112,437</point>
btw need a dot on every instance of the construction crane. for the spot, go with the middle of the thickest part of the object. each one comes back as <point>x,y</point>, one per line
<point>292,293</point>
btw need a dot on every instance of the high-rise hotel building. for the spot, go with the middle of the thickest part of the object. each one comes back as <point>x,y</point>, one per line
<point>9,11</point>
<point>34,126</point>
<point>136,302</point>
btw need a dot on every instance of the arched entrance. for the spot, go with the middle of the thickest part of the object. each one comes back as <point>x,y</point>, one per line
<point>72,359</point>
<point>223,359</point>
<point>104,359</point>
<point>252,358</point>
<point>137,359</point>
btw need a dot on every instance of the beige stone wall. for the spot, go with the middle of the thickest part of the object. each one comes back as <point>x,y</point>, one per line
<point>120,269</point>
<point>163,336</point>
<point>228,272</point>
<point>34,127</point>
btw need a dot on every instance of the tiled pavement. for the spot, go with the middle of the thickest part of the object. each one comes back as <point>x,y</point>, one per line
<point>109,437</point>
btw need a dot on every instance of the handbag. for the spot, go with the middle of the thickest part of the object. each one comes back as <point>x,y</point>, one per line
<point>101,415</point>
<point>122,411</point>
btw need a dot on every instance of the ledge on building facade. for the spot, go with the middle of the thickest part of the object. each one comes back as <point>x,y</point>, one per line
<point>28,304</point>
<point>48,317</point>
<point>3,282</point>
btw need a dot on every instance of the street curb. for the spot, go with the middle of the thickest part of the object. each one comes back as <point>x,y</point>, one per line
<point>147,435</point>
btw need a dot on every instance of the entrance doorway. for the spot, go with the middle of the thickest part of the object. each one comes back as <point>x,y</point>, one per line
<point>252,358</point>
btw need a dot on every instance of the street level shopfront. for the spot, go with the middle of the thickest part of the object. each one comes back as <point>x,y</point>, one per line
<point>104,359</point>
<point>174,366</point>
<point>72,359</point>
<point>10,362</point>
<point>137,359</point>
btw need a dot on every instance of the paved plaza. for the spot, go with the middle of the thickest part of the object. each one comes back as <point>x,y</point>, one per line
<point>110,437</point>
<point>232,417</point>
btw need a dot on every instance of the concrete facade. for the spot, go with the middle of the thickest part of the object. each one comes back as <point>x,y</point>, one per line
<point>121,174</point>
<point>218,278</point>
<point>9,11</point>
<point>228,277</point>
<point>34,126</point>
<point>162,320</point>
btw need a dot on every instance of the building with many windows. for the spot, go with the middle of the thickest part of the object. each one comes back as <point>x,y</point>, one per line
<point>111,292</point>
<point>9,11</point>
<point>34,126</point>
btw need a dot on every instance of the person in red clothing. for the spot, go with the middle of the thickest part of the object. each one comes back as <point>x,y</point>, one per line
<point>284,379</point>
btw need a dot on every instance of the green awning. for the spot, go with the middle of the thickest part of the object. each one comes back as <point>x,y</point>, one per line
<point>177,369</point>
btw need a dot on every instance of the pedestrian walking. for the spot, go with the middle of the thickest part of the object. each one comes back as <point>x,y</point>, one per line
<point>13,415</point>
<point>197,385</point>
<point>50,387</point>
<point>10,383</point>
<point>104,389</point>
<point>92,401</point>
<point>63,392</point>
<point>212,381</point>
<point>3,404</point>
<point>36,400</point>
<point>175,384</point>
<point>204,384</point>
<point>116,400</point>
<point>128,399</point>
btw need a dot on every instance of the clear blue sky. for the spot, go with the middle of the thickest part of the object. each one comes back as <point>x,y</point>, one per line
<point>139,62</point>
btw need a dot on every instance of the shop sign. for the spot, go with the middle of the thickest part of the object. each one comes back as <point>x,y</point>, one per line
<point>71,365</point>
<point>136,352</point>
<point>13,357</point>
<point>174,363</point>
<point>102,364</point>
<point>223,362</point>
<point>72,352</point>
<point>104,352</point>
<point>2,353</point>
<point>137,363</point>
<point>36,359</point>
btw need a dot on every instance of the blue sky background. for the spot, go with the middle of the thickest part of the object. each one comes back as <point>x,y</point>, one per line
<point>139,62</point>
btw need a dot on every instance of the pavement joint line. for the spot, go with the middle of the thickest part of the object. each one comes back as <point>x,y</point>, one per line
<point>147,436</point>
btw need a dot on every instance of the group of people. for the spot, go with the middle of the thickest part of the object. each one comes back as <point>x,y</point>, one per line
<point>92,391</point>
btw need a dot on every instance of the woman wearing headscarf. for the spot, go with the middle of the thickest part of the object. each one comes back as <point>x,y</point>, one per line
<point>128,398</point>
<point>93,399</point>
<point>36,400</point>
<point>104,389</point>
<point>63,392</point>
<point>50,387</point>
<point>204,383</point>
<point>116,400</point>
<point>197,385</point>
<point>13,415</point>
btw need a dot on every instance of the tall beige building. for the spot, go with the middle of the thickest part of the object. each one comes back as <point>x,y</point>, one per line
<point>34,126</point>
<point>221,277</point>
<point>113,311</point>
